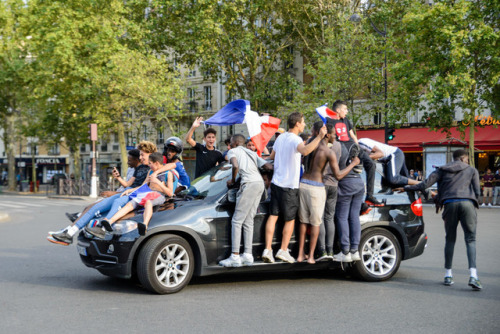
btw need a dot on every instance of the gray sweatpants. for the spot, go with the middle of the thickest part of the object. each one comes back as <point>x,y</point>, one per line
<point>247,201</point>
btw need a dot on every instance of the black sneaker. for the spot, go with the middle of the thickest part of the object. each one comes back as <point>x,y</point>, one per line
<point>61,238</point>
<point>475,283</point>
<point>365,209</point>
<point>107,225</point>
<point>72,216</point>
<point>372,201</point>
<point>97,231</point>
<point>448,280</point>
<point>141,228</point>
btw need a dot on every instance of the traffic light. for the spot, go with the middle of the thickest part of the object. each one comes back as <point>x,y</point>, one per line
<point>389,134</point>
<point>93,132</point>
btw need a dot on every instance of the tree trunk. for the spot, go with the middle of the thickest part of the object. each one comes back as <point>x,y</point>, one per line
<point>471,143</point>
<point>123,147</point>
<point>76,163</point>
<point>9,140</point>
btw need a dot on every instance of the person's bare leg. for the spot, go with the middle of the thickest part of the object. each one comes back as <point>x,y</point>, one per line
<point>287,234</point>
<point>148,212</point>
<point>302,239</point>
<point>313,239</point>
<point>412,182</point>
<point>122,212</point>
<point>270,226</point>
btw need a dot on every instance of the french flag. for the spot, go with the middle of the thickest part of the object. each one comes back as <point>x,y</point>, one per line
<point>324,112</point>
<point>260,128</point>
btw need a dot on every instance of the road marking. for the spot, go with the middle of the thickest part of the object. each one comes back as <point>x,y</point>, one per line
<point>11,205</point>
<point>23,203</point>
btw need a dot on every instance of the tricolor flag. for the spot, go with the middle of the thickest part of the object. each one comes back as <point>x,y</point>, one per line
<point>260,128</point>
<point>324,112</point>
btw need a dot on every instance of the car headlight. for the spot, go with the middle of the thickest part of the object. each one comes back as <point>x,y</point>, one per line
<point>124,227</point>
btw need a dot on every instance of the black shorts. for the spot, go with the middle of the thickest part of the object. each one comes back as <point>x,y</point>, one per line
<point>284,201</point>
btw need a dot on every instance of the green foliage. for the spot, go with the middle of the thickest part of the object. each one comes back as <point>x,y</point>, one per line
<point>452,61</point>
<point>245,44</point>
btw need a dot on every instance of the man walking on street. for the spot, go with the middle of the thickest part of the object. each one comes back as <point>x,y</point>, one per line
<point>458,193</point>
<point>286,154</point>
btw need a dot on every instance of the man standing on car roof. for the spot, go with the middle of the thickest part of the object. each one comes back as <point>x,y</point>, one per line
<point>246,163</point>
<point>207,156</point>
<point>286,154</point>
<point>345,134</point>
<point>458,193</point>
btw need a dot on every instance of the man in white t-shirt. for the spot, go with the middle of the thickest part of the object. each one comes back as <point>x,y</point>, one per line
<point>287,151</point>
<point>246,163</point>
<point>395,170</point>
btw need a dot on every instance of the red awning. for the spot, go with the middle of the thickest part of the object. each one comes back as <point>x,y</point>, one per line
<point>413,139</point>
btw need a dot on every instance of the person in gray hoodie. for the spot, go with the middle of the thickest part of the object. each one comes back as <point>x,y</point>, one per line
<point>458,193</point>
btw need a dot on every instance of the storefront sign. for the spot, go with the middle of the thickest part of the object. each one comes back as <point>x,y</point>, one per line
<point>48,161</point>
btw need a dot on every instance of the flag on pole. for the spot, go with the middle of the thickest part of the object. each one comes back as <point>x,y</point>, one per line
<point>260,128</point>
<point>324,112</point>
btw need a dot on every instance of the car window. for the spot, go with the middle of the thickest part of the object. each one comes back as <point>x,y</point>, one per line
<point>211,183</point>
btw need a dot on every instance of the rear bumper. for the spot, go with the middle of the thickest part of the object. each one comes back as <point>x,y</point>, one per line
<point>418,249</point>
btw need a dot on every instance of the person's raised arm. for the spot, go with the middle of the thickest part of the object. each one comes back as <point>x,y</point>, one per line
<point>164,168</point>
<point>306,149</point>
<point>189,135</point>
<point>334,165</point>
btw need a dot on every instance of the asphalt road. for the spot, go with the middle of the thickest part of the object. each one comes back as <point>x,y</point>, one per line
<point>44,288</point>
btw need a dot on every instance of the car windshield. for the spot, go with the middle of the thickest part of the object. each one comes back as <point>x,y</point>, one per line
<point>213,182</point>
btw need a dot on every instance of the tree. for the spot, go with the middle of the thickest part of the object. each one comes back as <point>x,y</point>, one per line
<point>452,63</point>
<point>13,80</point>
<point>92,66</point>
<point>245,44</point>
<point>346,67</point>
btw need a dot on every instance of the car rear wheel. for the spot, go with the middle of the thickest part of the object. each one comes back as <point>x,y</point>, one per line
<point>165,264</point>
<point>380,255</point>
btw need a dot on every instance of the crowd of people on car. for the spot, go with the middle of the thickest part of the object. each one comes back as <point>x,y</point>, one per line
<point>315,177</point>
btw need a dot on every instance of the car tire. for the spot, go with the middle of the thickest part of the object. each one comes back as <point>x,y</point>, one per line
<point>380,255</point>
<point>165,264</point>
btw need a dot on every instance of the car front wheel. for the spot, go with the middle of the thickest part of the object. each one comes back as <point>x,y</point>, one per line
<point>380,255</point>
<point>165,264</point>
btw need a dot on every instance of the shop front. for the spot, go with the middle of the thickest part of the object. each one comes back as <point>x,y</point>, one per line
<point>413,140</point>
<point>46,167</point>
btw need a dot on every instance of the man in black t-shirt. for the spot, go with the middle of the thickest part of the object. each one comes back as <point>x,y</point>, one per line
<point>345,135</point>
<point>207,156</point>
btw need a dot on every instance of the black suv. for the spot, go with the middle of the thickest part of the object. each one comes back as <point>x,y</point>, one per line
<point>191,233</point>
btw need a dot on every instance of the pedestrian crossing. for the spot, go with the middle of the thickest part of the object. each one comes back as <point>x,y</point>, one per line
<point>10,203</point>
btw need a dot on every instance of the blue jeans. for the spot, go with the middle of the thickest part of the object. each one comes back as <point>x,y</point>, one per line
<point>109,205</point>
<point>347,220</point>
<point>396,172</point>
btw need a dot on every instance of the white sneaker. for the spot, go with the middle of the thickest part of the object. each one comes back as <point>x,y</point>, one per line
<point>231,261</point>
<point>483,204</point>
<point>285,256</point>
<point>246,259</point>
<point>341,257</point>
<point>355,256</point>
<point>489,204</point>
<point>267,256</point>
